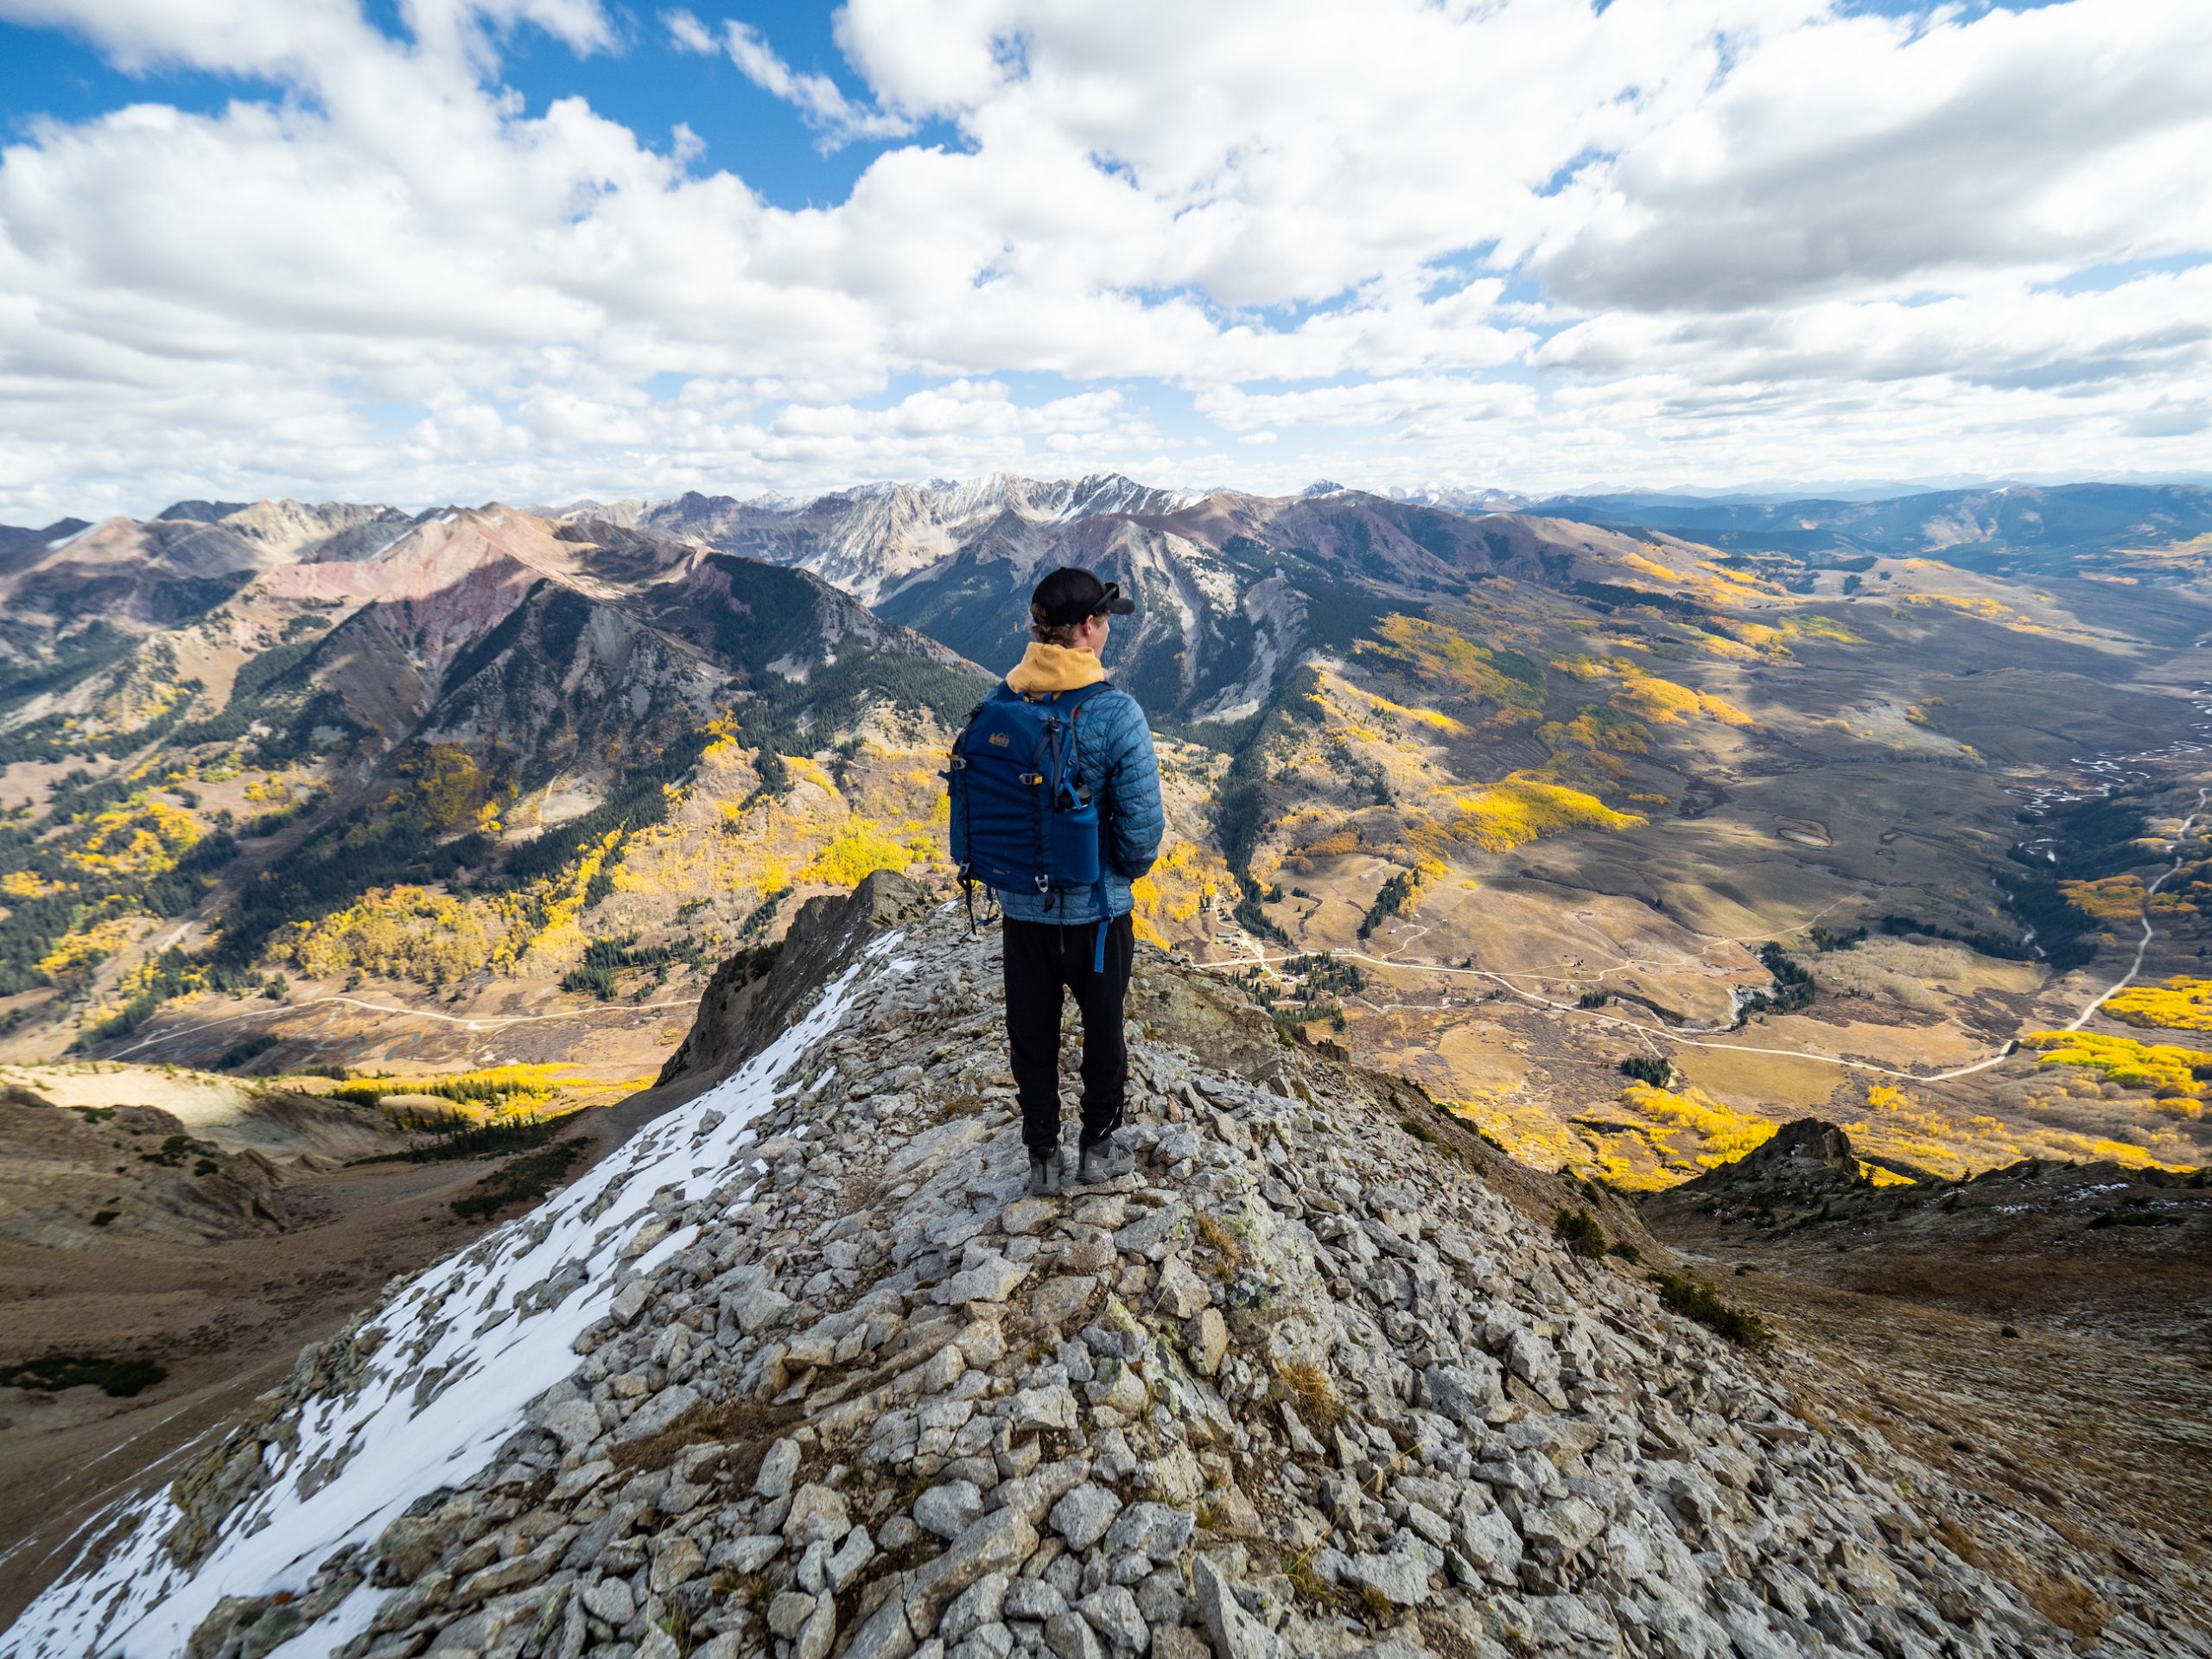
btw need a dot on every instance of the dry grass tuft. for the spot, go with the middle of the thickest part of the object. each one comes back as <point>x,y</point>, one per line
<point>1218,1239</point>
<point>746,1426</point>
<point>1308,1388</point>
<point>1310,1587</point>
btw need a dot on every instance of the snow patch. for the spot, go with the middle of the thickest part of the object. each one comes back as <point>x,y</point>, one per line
<point>386,1449</point>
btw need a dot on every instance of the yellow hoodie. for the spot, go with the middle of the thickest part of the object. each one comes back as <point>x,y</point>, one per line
<point>1055,668</point>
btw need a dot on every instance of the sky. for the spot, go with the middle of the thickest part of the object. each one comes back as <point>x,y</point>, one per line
<point>432,250</point>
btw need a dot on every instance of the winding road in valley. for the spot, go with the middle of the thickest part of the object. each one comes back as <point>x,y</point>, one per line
<point>467,1021</point>
<point>1680,1037</point>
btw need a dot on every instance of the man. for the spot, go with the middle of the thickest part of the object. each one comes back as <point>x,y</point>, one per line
<point>1052,939</point>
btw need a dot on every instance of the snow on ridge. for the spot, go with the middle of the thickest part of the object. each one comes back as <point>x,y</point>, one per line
<point>454,1333</point>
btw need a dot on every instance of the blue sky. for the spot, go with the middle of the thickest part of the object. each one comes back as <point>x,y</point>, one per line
<point>648,87</point>
<point>424,249</point>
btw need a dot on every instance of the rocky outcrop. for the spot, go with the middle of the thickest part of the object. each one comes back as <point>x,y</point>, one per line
<point>755,994</point>
<point>82,1180</point>
<point>1304,1383</point>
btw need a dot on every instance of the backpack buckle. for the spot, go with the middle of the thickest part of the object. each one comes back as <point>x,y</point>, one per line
<point>1044,882</point>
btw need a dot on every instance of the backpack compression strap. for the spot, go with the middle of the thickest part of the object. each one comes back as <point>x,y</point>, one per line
<point>1077,699</point>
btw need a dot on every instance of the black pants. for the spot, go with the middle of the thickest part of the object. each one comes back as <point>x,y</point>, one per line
<point>1042,958</point>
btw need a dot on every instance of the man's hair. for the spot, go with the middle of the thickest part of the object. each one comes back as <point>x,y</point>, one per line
<point>1068,598</point>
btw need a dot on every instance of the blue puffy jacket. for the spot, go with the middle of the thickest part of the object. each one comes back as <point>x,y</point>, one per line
<point>1118,764</point>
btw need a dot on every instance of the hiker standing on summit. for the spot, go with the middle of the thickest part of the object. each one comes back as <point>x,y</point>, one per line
<point>1056,808</point>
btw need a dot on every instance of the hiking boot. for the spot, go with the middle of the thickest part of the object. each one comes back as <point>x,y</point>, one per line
<point>1046,1172</point>
<point>1103,1162</point>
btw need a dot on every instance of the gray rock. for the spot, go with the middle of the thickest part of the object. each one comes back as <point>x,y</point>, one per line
<point>1160,1598</point>
<point>1069,1635</point>
<point>1234,1632</point>
<point>1153,1529</point>
<point>991,1279</point>
<point>677,1559</point>
<point>982,1603</point>
<point>788,1612</point>
<point>1205,1341</point>
<point>1083,1515</point>
<point>945,1368</point>
<point>851,1558</point>
<point>1033,1599</point>
<point>1046,1408</point>
<point>1112,1612</point>
<point>1491,1543</point>
<point>573,1420</point>
<point>1057,1300</point>
<point>745,1555</point>
<point>1399,1578</point>
<point>609,1601</point>
<point>949,1509</point>
<point>759,1308</point>
<point>630,1301</point>
<point>999,1542</point>
<point>1556,1531</point>
<point>1181,1294</point>
<point>1033,1492</point>
<point>1177,1642</point>
<point>657,1413</point>
<point>818,1633</point>
<point>816,1512</point>
<point>884,1634</point>
<point>1464,1392</point>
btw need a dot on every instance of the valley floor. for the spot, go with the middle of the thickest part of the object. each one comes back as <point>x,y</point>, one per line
<point>226,1319</point>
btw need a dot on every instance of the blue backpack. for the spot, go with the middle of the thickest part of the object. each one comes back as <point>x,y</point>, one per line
<point>1028,818</point>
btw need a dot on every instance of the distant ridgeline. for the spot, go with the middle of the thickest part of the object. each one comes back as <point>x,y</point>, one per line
<point>586,746</point>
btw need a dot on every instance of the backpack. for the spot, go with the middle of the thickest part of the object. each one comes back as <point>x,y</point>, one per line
<point>1028,817</point>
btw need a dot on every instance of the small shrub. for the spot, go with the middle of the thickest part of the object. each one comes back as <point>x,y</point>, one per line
<point>2007,1331</point>
<point>522,1180</point>
<point>238,1053</point>
<point>1626,1251</point>
<point>1419,1130</point>
<point>1696,1302</point>
<point>101,1218</point>
<point>750,1588</point>
<point>51,1373</point>
<point>1579,1232</point>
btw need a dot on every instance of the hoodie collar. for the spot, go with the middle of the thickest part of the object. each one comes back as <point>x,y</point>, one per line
<point>1055,668</point>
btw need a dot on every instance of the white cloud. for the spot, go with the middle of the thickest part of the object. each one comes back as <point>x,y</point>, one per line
<point>1521,242</point>
<point>817,98</point>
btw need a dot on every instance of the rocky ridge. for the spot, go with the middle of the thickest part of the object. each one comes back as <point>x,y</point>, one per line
<point>1307,1381</point>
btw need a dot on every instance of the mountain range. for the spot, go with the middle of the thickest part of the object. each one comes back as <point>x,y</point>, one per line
<point>1588,748</point>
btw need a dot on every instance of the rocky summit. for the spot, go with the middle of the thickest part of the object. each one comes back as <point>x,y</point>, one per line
<point>797,1371</point>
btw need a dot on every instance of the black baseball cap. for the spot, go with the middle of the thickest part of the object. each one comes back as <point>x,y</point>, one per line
<point>1072,594</point>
